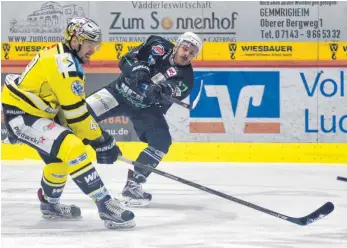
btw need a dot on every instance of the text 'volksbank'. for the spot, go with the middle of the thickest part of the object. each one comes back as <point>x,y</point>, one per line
<point>325,88</point>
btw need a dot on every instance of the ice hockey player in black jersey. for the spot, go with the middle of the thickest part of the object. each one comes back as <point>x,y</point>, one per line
<point>155,68</point>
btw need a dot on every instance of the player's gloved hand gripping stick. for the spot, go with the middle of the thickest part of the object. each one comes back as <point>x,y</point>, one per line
<point>160,78</point>
<point>183,104</point>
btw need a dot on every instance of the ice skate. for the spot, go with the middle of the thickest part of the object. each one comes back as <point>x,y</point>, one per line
<point>114,216</point>
<point>57,211</point>
<point>134,195</point>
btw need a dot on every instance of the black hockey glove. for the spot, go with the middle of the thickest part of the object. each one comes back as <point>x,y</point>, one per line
<point>169,88</point>
<point>155,91</point>
<point>140,74</point>
<point>106,149</point>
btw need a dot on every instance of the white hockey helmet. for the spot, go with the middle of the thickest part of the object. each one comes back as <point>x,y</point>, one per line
<point>191,38</point>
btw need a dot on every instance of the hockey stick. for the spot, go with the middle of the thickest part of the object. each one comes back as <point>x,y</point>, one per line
<point>178,102</point>
<point>321,212</point>
<point>183,104</point>
<point>342,179</point>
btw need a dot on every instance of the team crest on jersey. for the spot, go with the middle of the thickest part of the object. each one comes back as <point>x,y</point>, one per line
<point>77,88</point>
<point>158,50</point>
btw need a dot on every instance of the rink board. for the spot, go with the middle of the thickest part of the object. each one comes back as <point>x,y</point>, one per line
<point>218,152</point>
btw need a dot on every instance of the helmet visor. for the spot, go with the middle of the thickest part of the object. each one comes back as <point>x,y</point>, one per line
<point>95,45</point>
<point>190,48</point>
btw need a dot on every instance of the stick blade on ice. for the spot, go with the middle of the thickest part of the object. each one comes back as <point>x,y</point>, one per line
<point>321,212</point>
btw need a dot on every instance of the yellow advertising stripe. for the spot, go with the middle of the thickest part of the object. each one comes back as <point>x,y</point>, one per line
<point>333,51</point>
<point>22,50</point>
<point>261,51</point>
<point>245,51</point>
<point>27,50</point>
<point>114,50</point>
<point>218,152</point>
<point>275,51</point>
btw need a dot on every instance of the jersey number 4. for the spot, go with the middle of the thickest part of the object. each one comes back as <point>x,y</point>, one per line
<point>93,125</point>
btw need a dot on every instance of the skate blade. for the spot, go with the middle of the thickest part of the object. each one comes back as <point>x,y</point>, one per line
<point>61,218</point>
<point>135,203</point>
<point>119,226</point>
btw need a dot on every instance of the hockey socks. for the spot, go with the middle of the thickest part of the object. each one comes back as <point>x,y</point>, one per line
<point>149,156</point>
<point>88,180</point>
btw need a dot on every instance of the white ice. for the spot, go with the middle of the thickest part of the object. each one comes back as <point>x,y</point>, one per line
<point>182,216</point>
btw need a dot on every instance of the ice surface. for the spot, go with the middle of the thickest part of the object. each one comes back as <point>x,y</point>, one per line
<point>182,216</point>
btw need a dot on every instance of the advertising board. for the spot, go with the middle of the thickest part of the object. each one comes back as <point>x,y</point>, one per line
<point>252,105</point>
<point>265,105</point>
<point>227,51</point>
<point>214,21</point>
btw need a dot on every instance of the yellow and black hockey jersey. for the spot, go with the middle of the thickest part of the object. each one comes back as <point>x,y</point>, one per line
<point>54,82</point>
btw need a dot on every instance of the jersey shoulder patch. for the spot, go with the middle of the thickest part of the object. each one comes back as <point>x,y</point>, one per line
<point>158,50</point>
<point>158,46</point>
<point>69,66</point>
<point>65,63</point>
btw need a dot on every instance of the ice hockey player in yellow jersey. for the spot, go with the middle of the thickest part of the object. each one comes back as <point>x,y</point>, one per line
<point>49,92</point>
